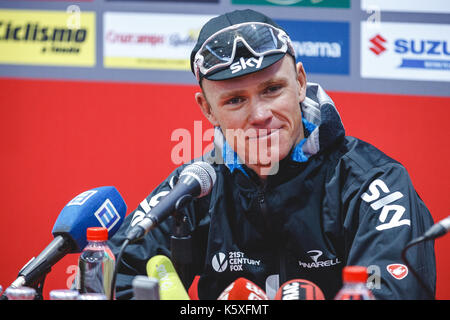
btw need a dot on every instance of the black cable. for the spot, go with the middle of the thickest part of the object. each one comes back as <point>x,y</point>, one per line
<point>116,268</point>
<point>414,242</point>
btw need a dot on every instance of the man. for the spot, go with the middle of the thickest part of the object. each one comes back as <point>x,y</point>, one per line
<point>294,197</point>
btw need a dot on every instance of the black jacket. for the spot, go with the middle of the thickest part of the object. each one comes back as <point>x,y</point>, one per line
<point>335,201</point>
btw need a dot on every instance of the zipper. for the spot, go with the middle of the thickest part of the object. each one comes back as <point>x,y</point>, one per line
<point>262,203</point>
<point>279,251</point>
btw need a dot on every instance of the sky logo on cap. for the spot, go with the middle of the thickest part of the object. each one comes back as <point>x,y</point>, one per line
<point>243,64</point>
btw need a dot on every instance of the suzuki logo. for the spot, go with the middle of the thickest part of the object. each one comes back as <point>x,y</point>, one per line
<point>377,42</point>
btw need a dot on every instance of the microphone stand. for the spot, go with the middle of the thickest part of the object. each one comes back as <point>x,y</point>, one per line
<point>38,286</point>
<point>430,294</point>
<point>181,242</point>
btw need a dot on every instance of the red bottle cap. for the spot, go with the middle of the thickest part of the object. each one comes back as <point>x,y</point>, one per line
<point>97,234</point>
<point>354,274</point>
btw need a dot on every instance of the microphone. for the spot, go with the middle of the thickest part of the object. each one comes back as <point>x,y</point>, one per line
<point>299,289</point>
<point>145,288</point>
<point>99,207</point>
<point>196,180</point>
<point>435,231</point>
<point>170,285</point>
<point>438,229</point>
<point>243,289</point>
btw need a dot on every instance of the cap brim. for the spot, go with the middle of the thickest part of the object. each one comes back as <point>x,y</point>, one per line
<point>243,66</point>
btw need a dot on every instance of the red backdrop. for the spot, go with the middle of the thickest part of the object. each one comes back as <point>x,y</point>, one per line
<point>59,138</point>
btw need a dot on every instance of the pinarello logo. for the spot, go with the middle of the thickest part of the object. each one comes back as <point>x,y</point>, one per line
<point>377,44</point>
<point>398,271</point>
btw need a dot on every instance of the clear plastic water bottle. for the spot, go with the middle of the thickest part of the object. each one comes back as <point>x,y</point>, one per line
<point>63,294</point>
<point>91,296</point>
<point>21,293</point>
<point>96,264</point>
<point>355,284</point>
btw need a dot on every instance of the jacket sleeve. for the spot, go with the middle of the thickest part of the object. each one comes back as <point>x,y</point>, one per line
<point>384,214</point>
<point>157,241</point>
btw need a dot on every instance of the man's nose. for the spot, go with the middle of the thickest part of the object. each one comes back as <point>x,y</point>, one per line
<point>261,115</point>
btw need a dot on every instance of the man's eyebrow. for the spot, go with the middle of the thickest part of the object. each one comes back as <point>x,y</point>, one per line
<point>277,80</point>
<point>231,93</point>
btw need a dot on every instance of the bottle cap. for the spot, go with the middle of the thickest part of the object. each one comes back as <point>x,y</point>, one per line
<point>97,234</point>
<point>354,274</point>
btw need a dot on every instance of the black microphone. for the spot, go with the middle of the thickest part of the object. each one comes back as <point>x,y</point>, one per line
<point>438,229</point>
<point>435,231</point>
<point>196,180</point>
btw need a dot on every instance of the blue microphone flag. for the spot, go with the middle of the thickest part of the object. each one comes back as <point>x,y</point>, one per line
<point>98,207</point>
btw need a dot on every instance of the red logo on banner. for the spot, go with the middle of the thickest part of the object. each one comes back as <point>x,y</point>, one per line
<point>377,42</point>
<point>398,271</point>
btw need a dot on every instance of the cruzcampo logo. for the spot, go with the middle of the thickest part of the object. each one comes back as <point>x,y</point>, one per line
<point>298,3</point>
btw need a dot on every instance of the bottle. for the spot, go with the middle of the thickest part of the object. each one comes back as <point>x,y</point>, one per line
<point>21,293</point>
<point>354,287</point>
<point>91,296</point>
<point>96,264</point>
<point>63,294</point>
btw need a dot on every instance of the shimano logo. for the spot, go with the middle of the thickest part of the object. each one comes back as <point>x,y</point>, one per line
<point>243,64</point>
<point>315,254</point>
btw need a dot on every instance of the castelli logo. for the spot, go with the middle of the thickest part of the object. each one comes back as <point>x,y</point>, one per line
<point>398,271</point>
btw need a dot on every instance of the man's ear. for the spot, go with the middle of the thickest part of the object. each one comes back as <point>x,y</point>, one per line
<point>301,77</point>
<point>206,108</point>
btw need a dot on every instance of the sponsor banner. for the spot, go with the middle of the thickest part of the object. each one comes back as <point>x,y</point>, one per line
<point>429,6</point>
<point>407,51</point>
<point>299,3</point>
<point>37,37</point>
<point>210,1</point>
<point>150,40</point>
<point>322,47</point>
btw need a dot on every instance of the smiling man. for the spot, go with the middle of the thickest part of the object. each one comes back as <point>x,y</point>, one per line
<point>259,114</point>
<point>294,197</point>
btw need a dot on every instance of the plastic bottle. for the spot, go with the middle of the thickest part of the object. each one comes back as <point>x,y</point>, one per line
<point>96,264</point>
<point>21,293</point>
<point>91,296</point>
<point>63,294</point>
<point>354,287</point>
